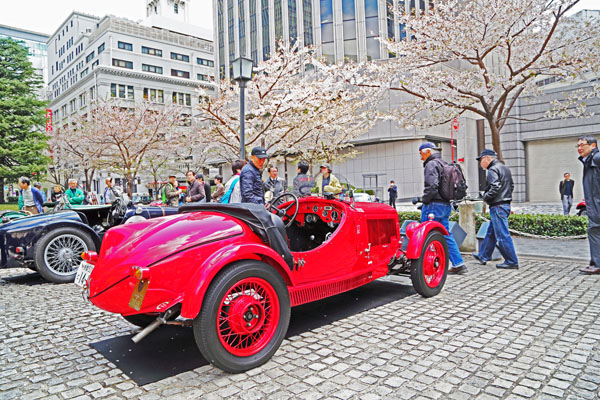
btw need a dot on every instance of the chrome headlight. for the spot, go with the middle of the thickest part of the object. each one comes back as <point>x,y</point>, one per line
<point>135,218</point>
<point>139,210</point>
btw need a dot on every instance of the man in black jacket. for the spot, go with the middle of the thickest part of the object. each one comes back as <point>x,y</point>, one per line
<point>565,188</point>
<point>434,203</point>
<point>195,191</point>
<point>251,184</point>
<point>498,195</point>
<point>587,147</point>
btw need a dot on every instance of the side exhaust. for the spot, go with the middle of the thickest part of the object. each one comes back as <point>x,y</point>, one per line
<point>160,320</point>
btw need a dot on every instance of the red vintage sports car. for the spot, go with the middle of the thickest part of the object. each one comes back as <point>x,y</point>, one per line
<point>232,271</point>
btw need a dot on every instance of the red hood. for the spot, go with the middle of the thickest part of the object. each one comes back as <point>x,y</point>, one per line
<point>144,243</point>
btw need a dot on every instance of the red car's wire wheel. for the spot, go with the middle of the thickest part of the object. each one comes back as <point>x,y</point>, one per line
<point>434,264</point>
<point>248,316</point>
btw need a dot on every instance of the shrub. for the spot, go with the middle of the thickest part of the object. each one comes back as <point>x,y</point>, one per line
<point>13,199</point>
<point>536,224</point>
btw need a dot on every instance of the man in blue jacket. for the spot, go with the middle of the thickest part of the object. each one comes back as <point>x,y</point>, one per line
<point>31,197</point>
<point>251,184</point>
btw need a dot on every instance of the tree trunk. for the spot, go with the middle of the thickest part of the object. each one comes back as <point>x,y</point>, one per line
<point>130,180</point>
<point>496,139</point>
<point>1,190</point>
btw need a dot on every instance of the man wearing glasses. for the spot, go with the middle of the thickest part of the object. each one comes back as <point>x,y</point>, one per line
<point>587,147</point>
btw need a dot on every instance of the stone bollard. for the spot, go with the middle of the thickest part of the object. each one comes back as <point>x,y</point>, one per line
<point>466,220</point>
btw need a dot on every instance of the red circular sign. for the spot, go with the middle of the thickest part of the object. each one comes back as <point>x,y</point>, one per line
<point>455,124</point>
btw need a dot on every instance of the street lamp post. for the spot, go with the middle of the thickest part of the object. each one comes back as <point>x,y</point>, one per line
<point>242,73</point>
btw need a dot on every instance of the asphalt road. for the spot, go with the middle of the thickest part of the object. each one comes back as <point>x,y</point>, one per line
<point>491,334</point>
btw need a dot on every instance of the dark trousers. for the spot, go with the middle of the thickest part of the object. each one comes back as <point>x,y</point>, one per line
<point>594,239</point>
<point>498,233</point>
<point>393,202</point>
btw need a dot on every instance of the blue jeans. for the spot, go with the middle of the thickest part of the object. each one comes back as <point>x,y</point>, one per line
<point>498,233</point>
<point>567,202</point>
<point>442,211</point>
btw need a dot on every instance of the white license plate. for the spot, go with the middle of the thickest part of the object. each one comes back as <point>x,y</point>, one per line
<point>83,273</point>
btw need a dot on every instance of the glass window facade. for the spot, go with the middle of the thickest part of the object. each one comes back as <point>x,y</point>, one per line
<point>151,51</point>
<point>231,32</point>
<point>372,29</point>
<point>308,25</point>
<point>242,27</point>
<point>253,32</point>
<point>278,20</point>
<point>349,18</point>
<point>221,34</point>
<point>266,44</point>
<point>292,21</point>
<point>125,46</point>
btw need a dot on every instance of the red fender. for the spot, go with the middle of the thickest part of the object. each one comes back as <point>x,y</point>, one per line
<point>194,294</point>
<point>417,240</point>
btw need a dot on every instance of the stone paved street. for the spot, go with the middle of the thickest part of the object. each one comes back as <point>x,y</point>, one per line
<point>490,334</point>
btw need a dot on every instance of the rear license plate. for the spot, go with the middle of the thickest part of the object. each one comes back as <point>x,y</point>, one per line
<point>83,273</point>
<point>138,294</point>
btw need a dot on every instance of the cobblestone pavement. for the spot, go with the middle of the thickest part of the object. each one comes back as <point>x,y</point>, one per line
<point>490,334</point>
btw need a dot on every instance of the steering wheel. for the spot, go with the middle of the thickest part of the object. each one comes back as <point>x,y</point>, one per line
<point>116,212</point>
<point>282,211</point>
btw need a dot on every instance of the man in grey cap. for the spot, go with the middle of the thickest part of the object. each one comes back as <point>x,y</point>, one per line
<point>251,185</point>
<point>498,195</point>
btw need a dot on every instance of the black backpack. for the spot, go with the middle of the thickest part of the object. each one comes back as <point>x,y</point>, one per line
<point>453,185</point>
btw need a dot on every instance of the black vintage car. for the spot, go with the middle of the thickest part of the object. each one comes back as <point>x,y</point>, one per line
<point>52,243</point>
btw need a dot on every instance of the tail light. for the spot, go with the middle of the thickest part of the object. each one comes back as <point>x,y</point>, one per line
<point>139,273</point>
<point>90,256</point>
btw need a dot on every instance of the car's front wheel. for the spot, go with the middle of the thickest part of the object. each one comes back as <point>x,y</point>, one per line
<point>244,317</point>
<point>58,253</point>
<point>428,272</point>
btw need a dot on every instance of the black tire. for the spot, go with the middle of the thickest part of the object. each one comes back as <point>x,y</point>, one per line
<point>269,332</point>
<point>426,263</point>
<point>62,249</point>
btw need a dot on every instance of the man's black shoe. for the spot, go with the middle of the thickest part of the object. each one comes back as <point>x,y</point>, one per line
<point>591,270</point>
<point>457,270</point>
<point>507,266</point>
<point>476,257</point>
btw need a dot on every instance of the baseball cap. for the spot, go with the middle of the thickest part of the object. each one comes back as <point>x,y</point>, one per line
<point>172,176</point>
<point>259,152</point>
<point>487,152</point>
<point>428,145</point>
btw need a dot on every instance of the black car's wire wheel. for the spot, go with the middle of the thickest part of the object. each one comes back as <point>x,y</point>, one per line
<point>58,253</point>
<point>245,315</point>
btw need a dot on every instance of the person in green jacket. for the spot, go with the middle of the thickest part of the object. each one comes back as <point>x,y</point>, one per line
<point>74,194</point>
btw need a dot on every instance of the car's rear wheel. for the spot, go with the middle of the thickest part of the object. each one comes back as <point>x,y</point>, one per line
<point>582,212</point>
<point>58,253</point>
<point>244,317</point>
<point>428,272</point>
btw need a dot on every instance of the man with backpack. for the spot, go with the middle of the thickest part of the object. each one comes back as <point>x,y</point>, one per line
<point>443,182</point>
<point>171,192</point>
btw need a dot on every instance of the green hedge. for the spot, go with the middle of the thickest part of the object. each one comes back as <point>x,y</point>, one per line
<point>548,225</point>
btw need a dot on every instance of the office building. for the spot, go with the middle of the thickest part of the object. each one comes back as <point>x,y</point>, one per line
<point>36,47</point>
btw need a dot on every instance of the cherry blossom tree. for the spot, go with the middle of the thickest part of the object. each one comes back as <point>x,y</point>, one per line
<point>130,133</point>
<point>296,104</point>
<point>477,57</point>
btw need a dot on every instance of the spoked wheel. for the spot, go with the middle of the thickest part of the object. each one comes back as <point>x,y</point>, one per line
<point>58,253</point>
<point>244,317</point>
<point>428,273</point>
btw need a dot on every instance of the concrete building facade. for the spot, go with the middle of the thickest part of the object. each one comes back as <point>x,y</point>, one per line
<point>100,58</point>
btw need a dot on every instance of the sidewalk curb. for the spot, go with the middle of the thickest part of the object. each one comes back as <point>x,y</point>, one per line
<point>542,256</point>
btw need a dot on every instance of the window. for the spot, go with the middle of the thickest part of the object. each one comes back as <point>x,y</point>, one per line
<point>203,77</point>
<point>125,46</point>
<point>180,57</point>
<point>180,74</point>
<point>89,57</point>
<point>154,95</point>
<point>122,91</point>
<point>152,68</point>
<point>72,105</point>
<point>151,51</point>
<point>176,8</point>
<point>206,63</point>
<point>95,64</point>
<point>185,120</point>
<point>84,72</point>
<point>182,99</point>
<point>83,99</point>
<point>122,63</point>
<point>92,93</point>
<point>101,48</point>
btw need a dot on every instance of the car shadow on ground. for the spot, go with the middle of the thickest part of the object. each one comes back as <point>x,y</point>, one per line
<point>30,279</point>
<point>171,350</point>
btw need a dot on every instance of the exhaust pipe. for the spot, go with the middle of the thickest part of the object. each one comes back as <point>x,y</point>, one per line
<point>160,320</point>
